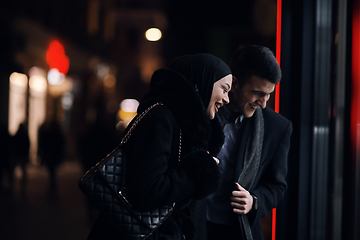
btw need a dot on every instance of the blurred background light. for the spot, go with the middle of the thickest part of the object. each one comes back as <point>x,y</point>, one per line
<point>55,77</point>
<point>102,70</point>
<point>18,79</point>
<point>129,105</point>
<point>153,34</point>
<point>65,85</point>
<point>38,83</point>
<point>56,57</point>
<point>109,81</point>
<point>17,101</point>
<point>128,109</point>
<point>67,101</point>
<point>38,87</point>
<point>37,71</point>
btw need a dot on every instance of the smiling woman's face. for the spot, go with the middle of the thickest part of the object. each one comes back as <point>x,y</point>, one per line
<point>219,95</point>
<point>253,94</point>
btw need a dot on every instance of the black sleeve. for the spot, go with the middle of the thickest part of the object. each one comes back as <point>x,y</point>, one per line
<point>272,185</point>
<point>151,181</point>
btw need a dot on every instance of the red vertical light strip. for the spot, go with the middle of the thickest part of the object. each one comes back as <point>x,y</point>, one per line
<point>278,52</point>
<point>277,91</point>
<point>273,224</point>
<point>355,75</point>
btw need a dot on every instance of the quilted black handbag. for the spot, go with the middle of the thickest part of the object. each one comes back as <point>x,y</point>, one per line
<point>104,184</point>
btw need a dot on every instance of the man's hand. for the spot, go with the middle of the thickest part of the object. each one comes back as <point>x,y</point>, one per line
<point>241,200</point>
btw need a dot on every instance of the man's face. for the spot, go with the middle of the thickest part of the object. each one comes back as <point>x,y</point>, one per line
<point>251,95</point>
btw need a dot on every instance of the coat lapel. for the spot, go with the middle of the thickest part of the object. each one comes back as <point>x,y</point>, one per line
<point>245,132</point>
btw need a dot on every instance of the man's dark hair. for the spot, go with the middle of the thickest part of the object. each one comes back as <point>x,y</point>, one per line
<point>251,60</point>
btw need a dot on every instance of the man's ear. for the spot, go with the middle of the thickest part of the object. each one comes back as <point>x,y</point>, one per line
<point>234,83</point>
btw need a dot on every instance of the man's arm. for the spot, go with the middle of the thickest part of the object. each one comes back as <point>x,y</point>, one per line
<point>271,187</point>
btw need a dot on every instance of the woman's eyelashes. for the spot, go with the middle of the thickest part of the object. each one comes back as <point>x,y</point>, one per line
<point>226,89</point>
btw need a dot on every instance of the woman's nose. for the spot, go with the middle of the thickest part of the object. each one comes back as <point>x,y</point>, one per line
<point>226,99</point>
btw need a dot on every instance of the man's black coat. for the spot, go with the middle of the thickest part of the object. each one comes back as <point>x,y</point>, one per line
<point>270,182</point>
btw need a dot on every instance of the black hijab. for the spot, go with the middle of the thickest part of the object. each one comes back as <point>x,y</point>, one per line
<point>202,70</point>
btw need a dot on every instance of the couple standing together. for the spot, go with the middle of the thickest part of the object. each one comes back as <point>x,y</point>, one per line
<point>233,160</point>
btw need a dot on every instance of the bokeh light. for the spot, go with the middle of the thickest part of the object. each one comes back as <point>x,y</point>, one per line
<point>18,79</point>
<point>153,34</point>
<point>38,83</point>
<point>55,77</point>
<point>56,57</point>
<point>128,109</point>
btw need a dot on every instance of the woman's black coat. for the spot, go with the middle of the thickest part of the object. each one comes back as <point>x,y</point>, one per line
<point>156,177</point>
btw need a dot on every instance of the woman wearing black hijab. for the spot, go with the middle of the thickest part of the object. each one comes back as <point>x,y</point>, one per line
<point>191,90</point>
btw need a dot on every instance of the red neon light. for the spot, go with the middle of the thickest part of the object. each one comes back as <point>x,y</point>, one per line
<point>277,91</point>
<point>56,57</point>
<point>355,72</point>
<point>278,52</point>
<point>277,97</point>
<point>278,31</point>
<point>273,224</point>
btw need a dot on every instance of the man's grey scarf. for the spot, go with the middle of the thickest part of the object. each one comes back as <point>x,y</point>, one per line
<point>252,161</point>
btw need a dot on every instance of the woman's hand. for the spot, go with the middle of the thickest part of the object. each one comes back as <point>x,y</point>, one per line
<point>215,159</point>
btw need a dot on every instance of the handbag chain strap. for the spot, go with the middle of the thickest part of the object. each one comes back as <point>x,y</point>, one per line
<point>137,120</point>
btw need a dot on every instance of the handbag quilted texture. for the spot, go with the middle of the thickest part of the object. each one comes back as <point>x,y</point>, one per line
<point>104,184</point>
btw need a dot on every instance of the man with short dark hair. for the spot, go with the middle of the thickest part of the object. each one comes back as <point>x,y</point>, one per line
<point>253,160</point>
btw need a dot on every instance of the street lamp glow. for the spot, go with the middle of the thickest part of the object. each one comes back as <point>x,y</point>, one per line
<point>153,34</point>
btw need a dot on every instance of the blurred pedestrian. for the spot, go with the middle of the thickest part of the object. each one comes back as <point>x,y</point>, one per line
<point>5,164</point>
<point>51,149</point>
<point>20,149</point>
